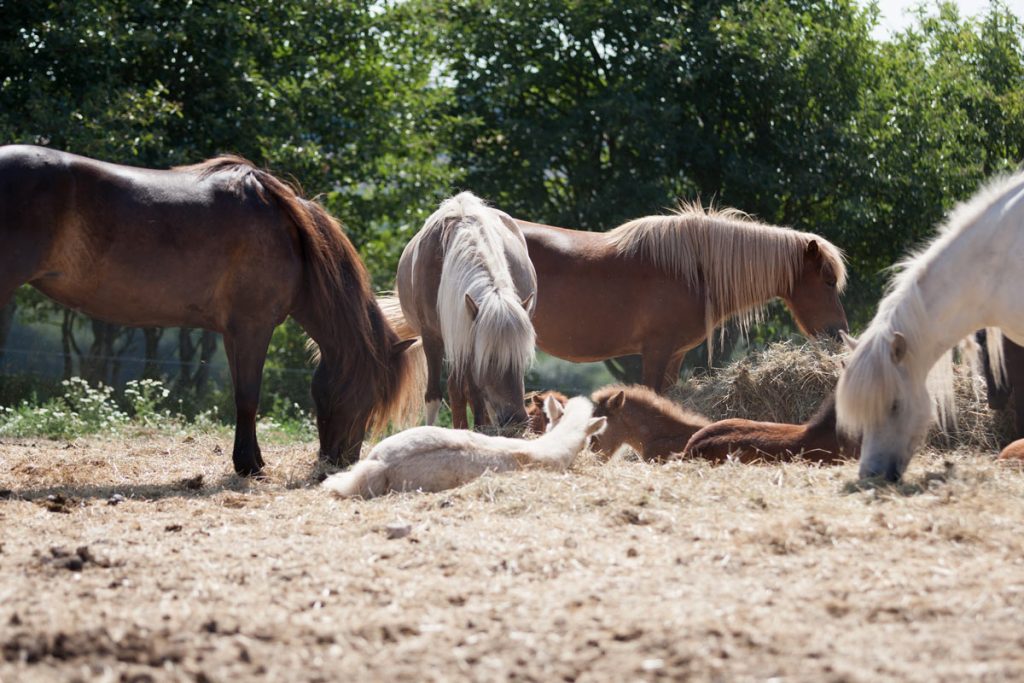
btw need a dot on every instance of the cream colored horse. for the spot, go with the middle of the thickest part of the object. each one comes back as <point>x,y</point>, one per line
<point>436,459</point>
<point>968,277</point>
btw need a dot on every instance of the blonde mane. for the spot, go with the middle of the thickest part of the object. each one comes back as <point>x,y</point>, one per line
<point>501,338</point>
<point>741,264</point>
<point>871,381</point>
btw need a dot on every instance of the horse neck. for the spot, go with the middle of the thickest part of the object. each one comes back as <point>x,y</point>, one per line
<point>565,440</point>
<point>956,305</point>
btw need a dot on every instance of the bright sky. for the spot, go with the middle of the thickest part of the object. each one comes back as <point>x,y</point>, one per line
<point>895,14</point>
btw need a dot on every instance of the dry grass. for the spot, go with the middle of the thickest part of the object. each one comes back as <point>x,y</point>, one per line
<point>626,571</point>
<point>786,382</point>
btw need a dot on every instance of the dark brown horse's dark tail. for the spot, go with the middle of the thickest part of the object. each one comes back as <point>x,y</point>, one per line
<point>338,301</point>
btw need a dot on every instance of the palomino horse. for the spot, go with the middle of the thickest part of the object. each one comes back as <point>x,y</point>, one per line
<point>652,425</point>
<point>883,393</point>
<point>436,459</point>
<point>466,285</point>
<point>659,285</point>
<point>222,246</point>
<point>1012,381</point>
<point>747,441</point>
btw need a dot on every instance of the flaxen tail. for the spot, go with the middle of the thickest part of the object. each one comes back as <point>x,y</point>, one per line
<point>366,479</point>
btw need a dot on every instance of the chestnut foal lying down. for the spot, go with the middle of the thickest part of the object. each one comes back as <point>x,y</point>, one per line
<point>652,425</point>
<point>1015,451</point>
<point>435,459</point>
<point>748,441</point>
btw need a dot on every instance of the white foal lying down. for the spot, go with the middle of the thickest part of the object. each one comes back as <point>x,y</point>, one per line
<point>435,459</point>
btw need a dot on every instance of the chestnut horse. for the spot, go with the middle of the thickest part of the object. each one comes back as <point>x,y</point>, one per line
<point>658,286</point>
<point>1012,381</point>
<point>816,440</point>
<point>652,425</point>
<point>537,421</point>
<point>1015,451</point>
<point>221,246</point>
<point>466,285</point>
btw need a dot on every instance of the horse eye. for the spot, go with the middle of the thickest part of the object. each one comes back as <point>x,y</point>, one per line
<point>895,407</point>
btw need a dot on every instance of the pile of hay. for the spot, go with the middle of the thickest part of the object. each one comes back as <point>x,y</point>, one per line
<point>787,381</point>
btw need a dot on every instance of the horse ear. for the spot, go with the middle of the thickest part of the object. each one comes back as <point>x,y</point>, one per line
<point>537,401</point>
<point>851,342</point>
<point>553,409</point>
<point>528,300</point>
<point>402,346</point>
<point>616,402</point>
<point>813,250</point>
<point>471,305</point>
<point>899,347</point>
<point>596,425</point>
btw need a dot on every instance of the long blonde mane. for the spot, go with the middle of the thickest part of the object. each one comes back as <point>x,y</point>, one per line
<point>871,381</point>
<point>501,339</point>
<point>740,264</point>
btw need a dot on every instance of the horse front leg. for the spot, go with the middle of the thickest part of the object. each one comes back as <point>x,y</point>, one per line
<point>457,401</point>
<point>246,354</point>
<point>655,366</point>
<point>433,349</point>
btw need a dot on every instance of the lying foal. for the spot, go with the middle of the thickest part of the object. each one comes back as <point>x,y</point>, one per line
<point>435,459</point>
<point>748,441</point>
<point>537,418</point>
<point>1015,451</point>
<point>652,425</point>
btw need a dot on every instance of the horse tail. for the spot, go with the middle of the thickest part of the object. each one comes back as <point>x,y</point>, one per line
<point>365,479</point>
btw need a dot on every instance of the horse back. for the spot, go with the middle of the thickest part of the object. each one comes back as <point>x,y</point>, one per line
<point>148,247</point>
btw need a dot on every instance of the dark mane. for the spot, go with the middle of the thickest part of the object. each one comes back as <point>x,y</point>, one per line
<point>825,415</point>
<point>350,327</point>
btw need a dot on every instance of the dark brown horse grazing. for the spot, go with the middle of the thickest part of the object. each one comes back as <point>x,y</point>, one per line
<point>652,425</point>
<point>1012,383</point>
<point>536,419</point>
<point>222,246</point>
<point>748,441</point>
<point>658,286</point>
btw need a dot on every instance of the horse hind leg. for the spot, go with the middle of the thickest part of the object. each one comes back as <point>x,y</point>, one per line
<point>246,355</point>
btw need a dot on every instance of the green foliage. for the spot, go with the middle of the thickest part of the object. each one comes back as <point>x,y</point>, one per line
<point>582,113</point>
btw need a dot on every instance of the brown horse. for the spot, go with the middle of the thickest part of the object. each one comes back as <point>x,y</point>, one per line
<point>537,421</point>
<point>222,246</point>
<point>1012,381</point>
<point>652,425</point>
<point>748,441</point>
<point>466,285</point>
<point>658,286</point>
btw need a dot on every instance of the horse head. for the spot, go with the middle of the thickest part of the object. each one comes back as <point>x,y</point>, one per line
<point>814,299</point>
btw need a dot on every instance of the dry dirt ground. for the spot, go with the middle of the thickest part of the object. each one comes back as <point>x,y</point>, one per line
<point>140,558</point>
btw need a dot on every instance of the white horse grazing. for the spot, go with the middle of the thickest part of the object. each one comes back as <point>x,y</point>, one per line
<point>968,277</point>
<point>436,459</point>
<point>467,287</point>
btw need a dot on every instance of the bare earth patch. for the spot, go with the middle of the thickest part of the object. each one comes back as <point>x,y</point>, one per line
<point>144,556</point>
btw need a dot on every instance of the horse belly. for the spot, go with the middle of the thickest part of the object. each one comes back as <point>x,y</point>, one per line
<point>192,264</point>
